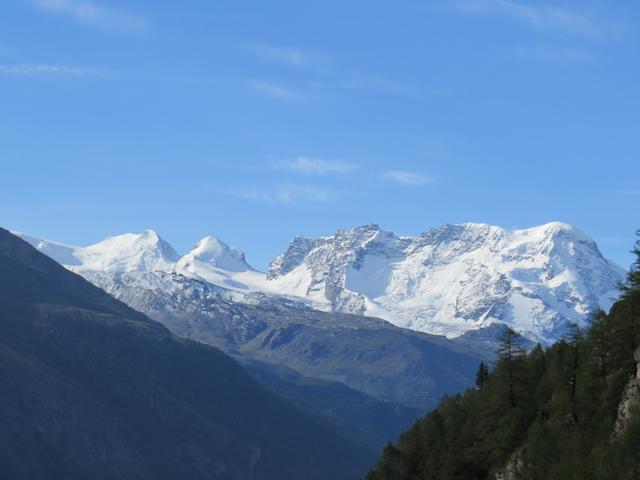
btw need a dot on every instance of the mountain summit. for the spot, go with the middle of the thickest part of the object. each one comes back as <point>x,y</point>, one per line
<point>454,278</point>
<point>448,280</point>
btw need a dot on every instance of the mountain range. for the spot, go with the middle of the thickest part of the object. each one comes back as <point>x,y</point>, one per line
<point>446,281</point>
<point>303,330</point>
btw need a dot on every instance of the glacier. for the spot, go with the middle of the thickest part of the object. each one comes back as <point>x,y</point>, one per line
<point>446,281</point>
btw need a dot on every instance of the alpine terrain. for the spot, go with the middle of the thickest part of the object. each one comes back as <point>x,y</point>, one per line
<point>455,278</point>
<point>303,328</point>
<point>446,281</point>
<point>366,376</point>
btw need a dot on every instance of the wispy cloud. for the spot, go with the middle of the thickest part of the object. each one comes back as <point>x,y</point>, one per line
<point>555,55</point>
<point>548,17</point>
<point>44,70</point>
<point>94,14</point>
<point>407,178</point>
<point>315,166</point>
<point>275,90</point>
<point>284,195</point>
<point>288,56</point>
<point>378,85</point>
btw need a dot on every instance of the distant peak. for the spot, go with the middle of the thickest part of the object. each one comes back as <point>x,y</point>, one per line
<point>365,231</point>
<point>148,233</point>
<point>368,226</point>
<point>210,250</point>
<point>210,242</point>
<point>130,252</point>
<point>555,228</point>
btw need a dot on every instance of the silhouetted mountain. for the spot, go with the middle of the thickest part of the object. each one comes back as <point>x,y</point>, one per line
<point>92,389</point>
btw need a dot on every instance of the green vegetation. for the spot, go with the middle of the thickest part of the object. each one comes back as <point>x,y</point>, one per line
<point>546,414</point>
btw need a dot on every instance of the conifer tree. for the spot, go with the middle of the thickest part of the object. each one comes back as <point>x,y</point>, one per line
<point>574,339</point>
<point>600,344</point>
<point>632,284</point>
<point>482,374</point>
<point>509,352</point>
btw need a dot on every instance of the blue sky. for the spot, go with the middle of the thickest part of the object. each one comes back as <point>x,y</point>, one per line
<point>258,121</point>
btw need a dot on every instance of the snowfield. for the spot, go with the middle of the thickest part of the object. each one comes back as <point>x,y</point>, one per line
<point>448,280</point>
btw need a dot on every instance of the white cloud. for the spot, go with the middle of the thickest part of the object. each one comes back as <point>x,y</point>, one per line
<point>289,56</point>
<point>275,90</point>
<point>407,178</point>
<point>284,195</point>
<point>540,17</point>
<point>558,55</point>
<point>91,13</point>
<point>43,70</point>
<point>316,166</point>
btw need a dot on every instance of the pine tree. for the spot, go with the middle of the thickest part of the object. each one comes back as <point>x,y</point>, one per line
<point>631,293</point>
<point>574,339</point>
<point>482,374</point>
<point>600,343</point>
<point>632,284</point>
<point>510,352</point>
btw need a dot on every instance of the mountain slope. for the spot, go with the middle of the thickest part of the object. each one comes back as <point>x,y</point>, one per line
<point>454,278</point>
<point>93,389</point>
<point>364,374</point>
<point>366,354</point>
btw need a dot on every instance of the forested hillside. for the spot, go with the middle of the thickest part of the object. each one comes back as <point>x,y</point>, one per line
<point>568,412</point>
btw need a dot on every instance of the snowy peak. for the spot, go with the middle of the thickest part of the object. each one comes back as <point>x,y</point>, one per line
<point>454,278</point>
<point>129,252</point>
<point>145,251</point>
<point>212,252</point>
<point>447,280</point>
<point>347,244</point>
<point>294,256</point>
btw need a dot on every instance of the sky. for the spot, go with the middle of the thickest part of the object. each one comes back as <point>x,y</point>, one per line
<point>259,121</point>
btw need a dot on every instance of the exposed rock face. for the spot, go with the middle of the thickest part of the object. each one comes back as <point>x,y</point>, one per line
<point>630,399</point>
<point>514,468</point>
<point>455,278</point>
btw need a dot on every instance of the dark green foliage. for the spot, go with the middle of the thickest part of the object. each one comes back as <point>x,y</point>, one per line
<point>553,409</point>
<point>90,389</point>
<point>482,374</point>
<point>510,365</point>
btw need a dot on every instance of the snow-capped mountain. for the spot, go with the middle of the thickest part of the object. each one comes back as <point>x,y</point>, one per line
<point>220,264</point>
<point>210,259</point>
<point>122,253</point>
<point>448,280</point>
<point>454,278</point>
